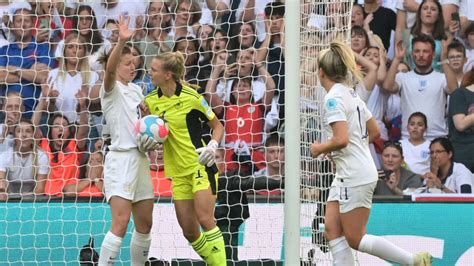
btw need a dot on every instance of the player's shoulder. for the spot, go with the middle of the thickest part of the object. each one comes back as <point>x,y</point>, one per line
<point>189,91</point>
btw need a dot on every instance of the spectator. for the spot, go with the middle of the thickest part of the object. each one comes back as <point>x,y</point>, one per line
<point>378,98</point>
<point>162,185</point>
<point>446,175</point>
<point>416,147</point>
<point>195,74</point>
<point>64,145</point>
<point>243,66</point>
<point>113,9</point>
<point>359,39</point>
<point>421,89</point>
<point>157,28</point>
<point>429,21</point>
<point>232,204</point>
<point>406,17</point>
<point>12,107</point>
<point>6,9</point>
<point>358,16</point>
<point>275,54</point>
<point>211,46</point>
<point>461,121</point>
<point>24,64</point>
<point>394,179</point>
<point>50,25</point>
<point>24,168</point>
<point>111,31</point>
<point>384,20</point>
<point>212,12</point>
<point>187,14</point>
<point>72,76</point>
<point>456,55</point>
<point>275,163</point>
<point>450,7</point>
<point>244,37</point>
<point>244,116</point>
<point>142,78</point>
<point>466,13</point>
<point>205,34</point>
<point>469,42</point>
<point>85,25</point>
<point>92,183</point>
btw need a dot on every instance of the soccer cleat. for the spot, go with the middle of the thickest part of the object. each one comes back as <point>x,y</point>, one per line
<point>423,259</point>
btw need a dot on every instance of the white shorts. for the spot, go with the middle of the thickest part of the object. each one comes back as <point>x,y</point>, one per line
<point>127,175</point>
<point>350,198</point>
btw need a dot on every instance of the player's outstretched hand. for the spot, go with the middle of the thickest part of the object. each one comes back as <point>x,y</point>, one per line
<point>207,155</point>
<point>146,143</point>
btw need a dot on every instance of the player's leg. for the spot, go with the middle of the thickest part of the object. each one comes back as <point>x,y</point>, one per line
<point>121,211</point>
<point>187,219</point>
<point>354,217</point>
<point>142,210</point>
<point>205,188</point>
<point>117,186</point>
<point>141,239</point>
<point>340,250</point>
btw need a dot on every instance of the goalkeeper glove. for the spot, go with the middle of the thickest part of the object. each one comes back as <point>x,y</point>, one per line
<point>146,143</point>
<point>207,155</point>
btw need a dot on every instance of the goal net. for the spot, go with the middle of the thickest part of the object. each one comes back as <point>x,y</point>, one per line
<point>54,138</point>
<point>321,23</point>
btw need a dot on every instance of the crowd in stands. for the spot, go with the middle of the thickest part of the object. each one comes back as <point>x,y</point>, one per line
<point>417,58</point>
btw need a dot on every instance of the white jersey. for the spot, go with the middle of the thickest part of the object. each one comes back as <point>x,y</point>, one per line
<point>67,87</point>
<point>354,164</point>
<point>20,170</point>
<point>417,157</point>
<point>460,176</point>
<point>121,108</point>
<point>426,93</point>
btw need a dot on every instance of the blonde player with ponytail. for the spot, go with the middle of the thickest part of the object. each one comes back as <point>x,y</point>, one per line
<point>351,127</point>
<point>189,160</point>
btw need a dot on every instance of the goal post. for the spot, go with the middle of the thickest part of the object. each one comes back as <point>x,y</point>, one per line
<point>292,131</point>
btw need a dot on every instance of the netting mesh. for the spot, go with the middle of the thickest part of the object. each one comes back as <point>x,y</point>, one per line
<point>53,136</point>
<point>321,23</point>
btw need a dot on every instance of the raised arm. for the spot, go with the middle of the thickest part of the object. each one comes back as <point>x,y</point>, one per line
<point>211,96</point>
<point>382,68</point>
<point>371,76</point>
<point>125,34</point>
<point>269,85</point>
<point>389,84</point>
<point>373,129</point>
<point>249,11</point>
<point>83,128</point>
<point>451,80</point>
<point>401,25</point>
<point>217,9</point>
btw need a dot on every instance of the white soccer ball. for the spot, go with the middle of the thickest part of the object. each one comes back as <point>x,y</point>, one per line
<point>153,126</point>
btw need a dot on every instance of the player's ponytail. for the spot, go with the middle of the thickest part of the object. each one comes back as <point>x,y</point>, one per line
<point>338,63</point>
<point>174,62</point>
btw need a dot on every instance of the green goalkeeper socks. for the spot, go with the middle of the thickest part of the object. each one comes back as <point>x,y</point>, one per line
<point>201,247</point>
<point>215,243</point>
<point>210,246</point>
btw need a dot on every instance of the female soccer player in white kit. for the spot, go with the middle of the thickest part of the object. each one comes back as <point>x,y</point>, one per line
<point>127,180</point>
<point>351,127</point>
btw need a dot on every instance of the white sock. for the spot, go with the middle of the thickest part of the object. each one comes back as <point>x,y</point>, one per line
<point>139,247</point>
<point>382,248</point>
<point>110,249</point>
<point>341,252</point>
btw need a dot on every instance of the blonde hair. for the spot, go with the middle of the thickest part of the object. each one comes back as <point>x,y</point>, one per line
<point>338,63</point>
<point>174,62</point>
<point>84,68</point>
